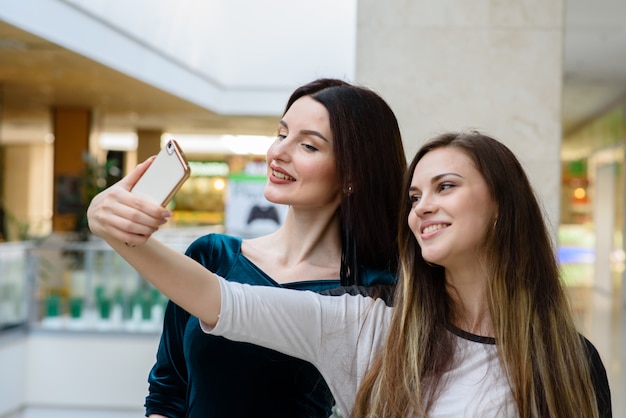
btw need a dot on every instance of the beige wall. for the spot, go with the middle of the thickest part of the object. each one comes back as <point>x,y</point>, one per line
<point>486,64</point>
<point>27,183</point>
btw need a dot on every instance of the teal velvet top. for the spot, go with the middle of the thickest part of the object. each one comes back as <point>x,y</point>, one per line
<point>200,376</point>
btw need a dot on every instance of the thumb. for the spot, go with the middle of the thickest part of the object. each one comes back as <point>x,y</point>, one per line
<point>131,178</point>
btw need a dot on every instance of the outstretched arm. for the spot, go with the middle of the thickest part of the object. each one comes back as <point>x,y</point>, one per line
<point>126,222</point>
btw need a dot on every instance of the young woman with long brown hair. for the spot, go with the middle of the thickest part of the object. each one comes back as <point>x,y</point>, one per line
<point>480,325</point>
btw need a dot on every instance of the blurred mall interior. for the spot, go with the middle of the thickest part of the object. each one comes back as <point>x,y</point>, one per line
<point>90,88</point>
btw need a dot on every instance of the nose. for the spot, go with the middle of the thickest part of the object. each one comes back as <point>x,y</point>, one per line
<point>279,150</point>
<point>425,205</point>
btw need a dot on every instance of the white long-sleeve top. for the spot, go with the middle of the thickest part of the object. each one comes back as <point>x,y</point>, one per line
<point>341,335</point>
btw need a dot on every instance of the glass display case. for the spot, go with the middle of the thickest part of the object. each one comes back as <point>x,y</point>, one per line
<point>86,286</point>
<point>13,279</point>
<point>61,284</point>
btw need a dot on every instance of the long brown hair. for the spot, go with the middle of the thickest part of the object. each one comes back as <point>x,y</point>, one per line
<point>370,163</point>
<point>539,347</point>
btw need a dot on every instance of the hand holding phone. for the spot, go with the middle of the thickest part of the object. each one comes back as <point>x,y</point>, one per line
<point>165,176</point>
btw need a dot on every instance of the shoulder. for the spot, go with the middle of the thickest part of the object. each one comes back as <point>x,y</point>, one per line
<point>371,276</point>
<point>594,357</point>
<point>599,378</point>
<point>215,242</point>
<point>215,250</point>
<point>382,291</point>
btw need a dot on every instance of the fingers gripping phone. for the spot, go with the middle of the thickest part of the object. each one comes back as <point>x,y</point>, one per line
<point>165,176</point>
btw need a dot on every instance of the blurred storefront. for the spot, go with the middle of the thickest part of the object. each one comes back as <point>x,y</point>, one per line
<point>225,188</point>
<point>200,201</point>
<point>591,231</point>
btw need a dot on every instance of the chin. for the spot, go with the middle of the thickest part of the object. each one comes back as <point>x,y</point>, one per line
<point>431,260</point>
<point>275,198</point>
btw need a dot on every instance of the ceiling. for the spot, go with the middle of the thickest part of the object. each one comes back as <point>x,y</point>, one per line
<point>36,75</point>
<point>594,73</point>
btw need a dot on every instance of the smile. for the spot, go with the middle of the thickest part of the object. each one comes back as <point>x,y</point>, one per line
<point>433,228</point>
<point>282,176</point>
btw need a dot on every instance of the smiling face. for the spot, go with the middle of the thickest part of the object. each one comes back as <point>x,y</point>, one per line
<point>301,161</point>
<point>451,208</point>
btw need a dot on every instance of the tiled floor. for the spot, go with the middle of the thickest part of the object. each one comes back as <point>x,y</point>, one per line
<point>602,319</point>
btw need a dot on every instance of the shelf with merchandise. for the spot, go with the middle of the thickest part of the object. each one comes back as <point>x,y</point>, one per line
<point>13,284</point>
<point>102,293</point>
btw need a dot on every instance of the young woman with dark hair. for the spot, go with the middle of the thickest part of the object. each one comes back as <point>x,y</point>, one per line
<point>337,161</point>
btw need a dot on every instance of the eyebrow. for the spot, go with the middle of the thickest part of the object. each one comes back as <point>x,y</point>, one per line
<point>437,178</point>
<point>306,131</point>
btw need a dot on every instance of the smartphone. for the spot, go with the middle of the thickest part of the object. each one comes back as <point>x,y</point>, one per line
<point>165,176</point>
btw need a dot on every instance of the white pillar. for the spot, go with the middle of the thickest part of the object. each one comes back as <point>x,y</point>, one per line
<point>490,65</point>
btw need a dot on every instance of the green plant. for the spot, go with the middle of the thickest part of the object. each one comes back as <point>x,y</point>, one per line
<point>20,230</point>
<point>93,180</point>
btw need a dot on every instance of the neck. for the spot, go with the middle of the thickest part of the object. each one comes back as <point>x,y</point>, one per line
<point>308,236</point>
<point>471,306</point>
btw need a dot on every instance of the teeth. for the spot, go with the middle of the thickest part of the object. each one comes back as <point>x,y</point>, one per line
<point>433,228</point>
<point>282,176</point>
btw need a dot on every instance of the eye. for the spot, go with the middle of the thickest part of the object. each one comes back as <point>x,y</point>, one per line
<point>445,186</point>
<point>414,200</point>
<point>280,136</point>
<point>309,147</point>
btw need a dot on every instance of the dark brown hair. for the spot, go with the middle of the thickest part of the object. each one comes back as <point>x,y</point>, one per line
<point>370,163</point>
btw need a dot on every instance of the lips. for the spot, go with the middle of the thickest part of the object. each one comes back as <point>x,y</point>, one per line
<point>282,176</point>
<point>428,229</point>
